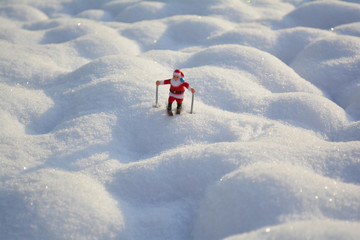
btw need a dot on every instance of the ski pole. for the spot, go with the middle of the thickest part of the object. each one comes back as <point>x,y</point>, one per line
<point>192,103</point>
<point>157,94</point>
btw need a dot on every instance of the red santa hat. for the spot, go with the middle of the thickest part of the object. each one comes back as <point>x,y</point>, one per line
<point>179,73</point>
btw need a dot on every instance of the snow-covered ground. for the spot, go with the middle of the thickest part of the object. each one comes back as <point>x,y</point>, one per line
<point>272,150</point>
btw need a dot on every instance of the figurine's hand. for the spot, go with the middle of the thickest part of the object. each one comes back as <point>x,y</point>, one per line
<point>157,83</point>
<point>193,90</point>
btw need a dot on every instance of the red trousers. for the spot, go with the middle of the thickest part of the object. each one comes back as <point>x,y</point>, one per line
<point>172,99</point>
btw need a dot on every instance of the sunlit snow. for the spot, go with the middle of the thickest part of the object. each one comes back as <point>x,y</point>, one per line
<point>272,150</point>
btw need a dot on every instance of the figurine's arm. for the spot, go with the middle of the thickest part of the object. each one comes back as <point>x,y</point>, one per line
<point>187,85</point>
<point>163,82</point>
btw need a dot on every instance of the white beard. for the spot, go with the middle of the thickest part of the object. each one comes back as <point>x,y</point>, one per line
<point>175,83</point>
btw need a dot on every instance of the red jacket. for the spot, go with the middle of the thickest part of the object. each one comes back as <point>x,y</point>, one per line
<point>177,88</point>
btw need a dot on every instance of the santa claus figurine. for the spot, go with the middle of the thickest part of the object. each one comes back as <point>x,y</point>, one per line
<point>177,90</point>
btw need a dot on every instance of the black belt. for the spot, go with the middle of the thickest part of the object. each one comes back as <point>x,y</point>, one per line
<point>176,92</point>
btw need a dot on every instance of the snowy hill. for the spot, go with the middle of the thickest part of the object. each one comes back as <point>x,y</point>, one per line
<point>272,150</point>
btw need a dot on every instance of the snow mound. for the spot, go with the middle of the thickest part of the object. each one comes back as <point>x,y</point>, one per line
<point>326,116</point>
<point>352,29</point>
<point>37,103</point>
<point>55,204</point>
<point>93,46</point>
<point>175,171</point>
<point>252,35</point>
<point>246,11</point>
<point>274,74</point>
<point>50,63</point>
<point>114,68</point>
<point>96,15</point>
<point>140,11</point>
<point>90,40</point>
<point>290,42</point>
<point>285,44</point>
<point>22,13</point>
<point>318,229</point>
<point>238,91</point>
<point>324,14</point>
<point>337,60</point>
<point>350,132</point>
<point>263,194</point>
<point>196,29</point>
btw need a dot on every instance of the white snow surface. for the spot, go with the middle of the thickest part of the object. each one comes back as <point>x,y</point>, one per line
<point>272,150</point>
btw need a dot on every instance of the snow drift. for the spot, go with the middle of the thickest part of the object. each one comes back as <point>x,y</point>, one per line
<point>271,152</point>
